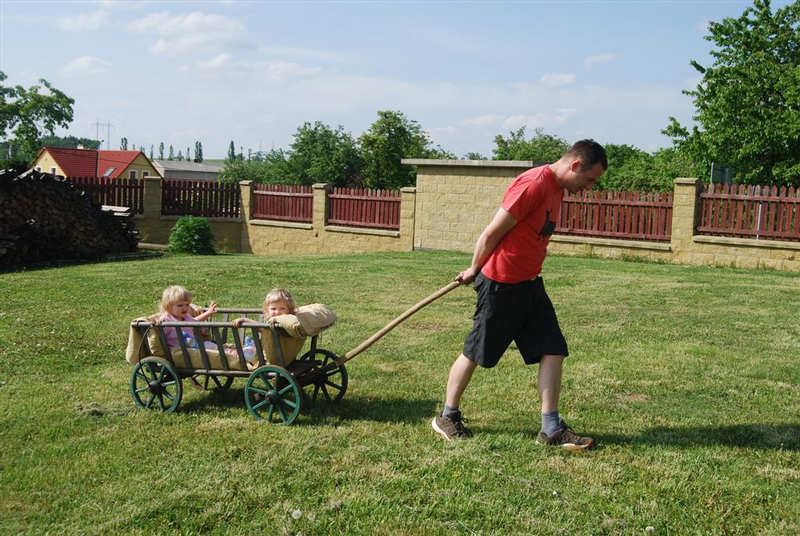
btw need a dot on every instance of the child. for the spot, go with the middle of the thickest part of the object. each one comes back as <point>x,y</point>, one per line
<point>278,302</point>
<point>176,306</point>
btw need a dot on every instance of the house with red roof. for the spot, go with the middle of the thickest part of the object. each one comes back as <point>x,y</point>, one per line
<point>91,163</point>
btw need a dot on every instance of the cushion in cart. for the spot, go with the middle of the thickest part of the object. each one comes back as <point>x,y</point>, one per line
<point>314,318</point>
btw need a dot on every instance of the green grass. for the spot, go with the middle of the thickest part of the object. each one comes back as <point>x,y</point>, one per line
<point>688,377</point>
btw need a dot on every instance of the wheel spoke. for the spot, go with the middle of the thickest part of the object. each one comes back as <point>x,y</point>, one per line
<point>161,402</point>
<point>169,383</point>
<point>287,388</point>
<point>337,387</point>
<point>316,392</point>
<point>271,412</point>
<point>141,375</point>
<point>150,400</point>
<point>166,393</point>
<point>283,413</point>
<point>143,389</point>
<point>261,404</point>
<point>289,403</point>
<point>256,390</point>
<point>325,390</point>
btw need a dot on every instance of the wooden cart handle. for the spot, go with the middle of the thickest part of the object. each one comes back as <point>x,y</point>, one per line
<point>391,325</point>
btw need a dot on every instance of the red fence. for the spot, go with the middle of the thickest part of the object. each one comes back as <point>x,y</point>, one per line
<point>750,211</point>
<point>630,215</point>
<point>359,207</point>
<point>283,202</point>
<point>200,198</point>
<point>119,192</point>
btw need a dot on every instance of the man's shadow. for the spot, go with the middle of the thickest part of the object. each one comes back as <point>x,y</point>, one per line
<point>764,436</point>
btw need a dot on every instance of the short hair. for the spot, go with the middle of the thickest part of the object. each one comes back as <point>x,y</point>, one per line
<point>172,295</point>
<point>589,152</point>
<point>279,295</point>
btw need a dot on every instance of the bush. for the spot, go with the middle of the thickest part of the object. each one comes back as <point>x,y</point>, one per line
<point>192,235</point>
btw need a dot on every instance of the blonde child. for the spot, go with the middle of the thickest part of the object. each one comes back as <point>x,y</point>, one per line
<point>278,302</point>
<point>176,306</point>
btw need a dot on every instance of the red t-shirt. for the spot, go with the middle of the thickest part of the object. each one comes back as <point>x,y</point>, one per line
<point>534,199</point>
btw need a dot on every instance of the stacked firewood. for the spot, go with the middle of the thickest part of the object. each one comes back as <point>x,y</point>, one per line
<point>45,219</point>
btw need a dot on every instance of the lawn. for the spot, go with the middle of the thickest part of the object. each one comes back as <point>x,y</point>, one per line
<point>687,377</point>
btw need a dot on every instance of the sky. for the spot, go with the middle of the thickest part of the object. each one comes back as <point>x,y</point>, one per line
<point>466,71</point>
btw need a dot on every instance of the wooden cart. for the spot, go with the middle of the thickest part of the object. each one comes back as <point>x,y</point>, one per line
<point>273,392</point>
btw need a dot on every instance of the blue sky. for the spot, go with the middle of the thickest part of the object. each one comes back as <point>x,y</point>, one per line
<point>466,71</point>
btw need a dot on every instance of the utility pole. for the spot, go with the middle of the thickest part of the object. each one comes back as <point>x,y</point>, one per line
<point>108,125</point>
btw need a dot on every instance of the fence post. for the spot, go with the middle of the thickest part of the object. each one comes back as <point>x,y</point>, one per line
<point>685,216</point>
<point>151,199</point>
<point>246,200</point>
<point>408,208</point>
<point>320,206</point>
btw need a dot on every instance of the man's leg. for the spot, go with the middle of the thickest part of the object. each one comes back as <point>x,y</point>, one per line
<point>448,423</point>
<point>554,430</point>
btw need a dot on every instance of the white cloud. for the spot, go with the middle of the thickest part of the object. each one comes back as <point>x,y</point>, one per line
<point>86,66</point>
<point>190,31</point>
<point>216,62</point>
<point>557,79</point>
<point>530,121</point>
<point>84,22</point>
<point>483,120</point>
<point>590,61</point>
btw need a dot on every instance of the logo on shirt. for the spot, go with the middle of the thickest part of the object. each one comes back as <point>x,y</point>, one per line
<point>549,226</point>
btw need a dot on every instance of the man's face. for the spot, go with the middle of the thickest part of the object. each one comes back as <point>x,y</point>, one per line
<point>582,179</point>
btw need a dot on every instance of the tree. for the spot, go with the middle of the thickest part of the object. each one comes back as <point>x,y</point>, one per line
<point>474,156</point>
<point>123,144</point>
<point>161,151</point>
<point>28,114</point>
<point>541,148</point>
<point>180,155</point>
<point>198,151</point>
<point>389,139</point>
<point>70,142</point>
<point>231,152</point>
<point>269,168</point>
<point>321,154</point>
<point>188,156</point>
<point>747,104</point>
<point>171,153</point>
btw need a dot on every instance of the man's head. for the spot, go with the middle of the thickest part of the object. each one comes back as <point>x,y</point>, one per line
<point>581,166</point>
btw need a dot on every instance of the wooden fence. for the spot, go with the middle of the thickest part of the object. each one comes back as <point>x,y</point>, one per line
<point>359,207</point>
<point>740,210</point>
<point>119,192</point>
<point>630,215</point>
<point>182,197</point>
<point>283,202</point>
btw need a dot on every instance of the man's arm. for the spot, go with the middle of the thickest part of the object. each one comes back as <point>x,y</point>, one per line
<point>501,224</point>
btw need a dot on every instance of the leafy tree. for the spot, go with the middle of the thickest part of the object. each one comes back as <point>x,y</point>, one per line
<point>28,114</point>
<point>70,142</point>
<point>180,155</point>
<point>231,152</point>
<point>123,144</point>
<point>270,168</point>
<point>390,138</point>
<point>321,154</point>
<point>747,104</point>
<point>541,148</point>
<point>474,156</point>
<point>161,151</point>
<point>198,151</point>
<point>151,151</point>
<point>171,153</point>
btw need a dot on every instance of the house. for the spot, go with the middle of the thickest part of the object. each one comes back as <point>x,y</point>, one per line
<point>185,169</point>
<point>91,163</point>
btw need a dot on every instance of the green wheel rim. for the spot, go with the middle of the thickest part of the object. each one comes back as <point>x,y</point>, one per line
<point>210,383</point>
<point>156,385</point>
<point>332,385</point>
<point>272,394</point>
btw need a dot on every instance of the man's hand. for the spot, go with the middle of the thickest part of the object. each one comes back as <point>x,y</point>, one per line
<point>467,276</point>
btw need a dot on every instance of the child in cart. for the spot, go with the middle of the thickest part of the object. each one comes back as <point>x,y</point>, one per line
<point>278,302</point>
<point>176,306</point>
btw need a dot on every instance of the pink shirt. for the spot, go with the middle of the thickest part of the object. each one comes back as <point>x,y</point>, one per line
<point>171,333</point>
<point>534,199</point>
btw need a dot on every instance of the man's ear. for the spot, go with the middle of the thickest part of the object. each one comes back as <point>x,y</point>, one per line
<point>576,165</point>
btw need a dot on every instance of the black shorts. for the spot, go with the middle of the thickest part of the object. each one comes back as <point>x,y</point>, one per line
<point>519,312</point>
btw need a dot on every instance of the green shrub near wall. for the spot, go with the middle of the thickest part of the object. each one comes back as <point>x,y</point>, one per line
<point>192,235</point>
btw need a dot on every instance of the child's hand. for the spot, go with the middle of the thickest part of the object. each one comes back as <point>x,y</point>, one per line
<point>237,322</point>
<point>212,307</point>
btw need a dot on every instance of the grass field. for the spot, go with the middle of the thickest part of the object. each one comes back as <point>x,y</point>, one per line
<point>688,378</point>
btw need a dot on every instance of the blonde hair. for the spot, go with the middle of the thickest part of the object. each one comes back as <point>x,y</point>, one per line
<point>279,295</point>
<point>172,295</point>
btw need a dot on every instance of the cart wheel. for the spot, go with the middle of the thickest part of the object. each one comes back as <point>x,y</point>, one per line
<point>331,385</point>
<point>271,391</point>
<point>210,383</point>
<point>156,385</point>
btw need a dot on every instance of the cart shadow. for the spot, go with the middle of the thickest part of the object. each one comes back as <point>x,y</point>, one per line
<point>399,410</point>
<point>759,436</point>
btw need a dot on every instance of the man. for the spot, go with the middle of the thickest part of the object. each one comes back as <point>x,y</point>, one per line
<point>512,303</point>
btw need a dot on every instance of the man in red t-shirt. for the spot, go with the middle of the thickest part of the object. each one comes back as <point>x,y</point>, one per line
<point>512,303</point>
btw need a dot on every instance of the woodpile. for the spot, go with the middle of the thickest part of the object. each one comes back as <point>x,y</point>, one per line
<point>45,219</point>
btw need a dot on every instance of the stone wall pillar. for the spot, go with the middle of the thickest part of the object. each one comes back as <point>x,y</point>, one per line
<point>246,204</point>
<point>408,205</point>
<point>152,198</point>
<point>320,207</point>
<point>685,216</point>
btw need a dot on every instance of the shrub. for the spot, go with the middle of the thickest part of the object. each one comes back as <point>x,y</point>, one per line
<point>192,235</point>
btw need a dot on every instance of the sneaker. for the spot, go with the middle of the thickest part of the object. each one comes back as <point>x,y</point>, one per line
<point>565,437</point>
<point>450,427</point>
